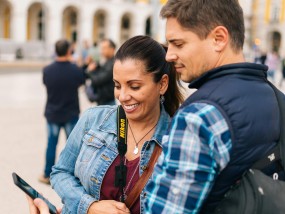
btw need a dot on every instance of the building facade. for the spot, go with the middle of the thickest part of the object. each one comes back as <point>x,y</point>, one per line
<point>34,25</point>
<point>268,25</point>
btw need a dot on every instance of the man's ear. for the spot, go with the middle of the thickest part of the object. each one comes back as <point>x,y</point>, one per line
<point>220,38</point>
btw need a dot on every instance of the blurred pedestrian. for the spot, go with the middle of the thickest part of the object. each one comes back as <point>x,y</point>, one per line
<point>62,80</point>
<point>273,63</point>
<point>102,75</point>
<point>283,72</point>
<point>94,53</point>
<point>84,53</point>
<point>263,57</point>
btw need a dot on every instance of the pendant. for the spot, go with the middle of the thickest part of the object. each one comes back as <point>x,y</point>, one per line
<point>136,150</point>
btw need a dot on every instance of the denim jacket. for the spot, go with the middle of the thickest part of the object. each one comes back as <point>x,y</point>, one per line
<point>90,150</point>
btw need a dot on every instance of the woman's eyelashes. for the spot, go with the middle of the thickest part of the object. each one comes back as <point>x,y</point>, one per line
<point>132,87</point>
<point>135,88</point>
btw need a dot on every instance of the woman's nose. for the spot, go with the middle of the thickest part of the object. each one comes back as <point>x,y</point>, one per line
<point>124,95</point>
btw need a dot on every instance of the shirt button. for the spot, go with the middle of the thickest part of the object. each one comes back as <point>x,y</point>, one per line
<point>175,191</point>
<point>144,195</point>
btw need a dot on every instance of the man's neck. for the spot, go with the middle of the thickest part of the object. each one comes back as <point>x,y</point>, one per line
<point>62,59</point>
<point>229,57</point>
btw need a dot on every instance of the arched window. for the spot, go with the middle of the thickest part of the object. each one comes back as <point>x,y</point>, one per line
<point>99,26</point>
<point>148,27</point>
<point>70,24</point>
<point>125,27</point>
<point>5,19</point>
<point>36,22</point>
<point>41,34</point>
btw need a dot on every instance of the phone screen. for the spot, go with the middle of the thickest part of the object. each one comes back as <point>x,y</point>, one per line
<point>23,185</point>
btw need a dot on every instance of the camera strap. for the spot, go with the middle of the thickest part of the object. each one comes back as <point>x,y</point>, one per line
<point>121,170</point>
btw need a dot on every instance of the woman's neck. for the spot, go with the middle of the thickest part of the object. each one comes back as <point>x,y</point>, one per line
<point>141,125</point>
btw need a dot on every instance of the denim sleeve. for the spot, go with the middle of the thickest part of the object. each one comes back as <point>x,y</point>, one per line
<point>63,180</point>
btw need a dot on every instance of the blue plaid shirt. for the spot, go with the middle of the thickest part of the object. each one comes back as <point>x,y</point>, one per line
<point>194,153</point>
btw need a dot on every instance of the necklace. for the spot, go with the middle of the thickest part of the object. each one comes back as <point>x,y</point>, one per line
<point>128,185</point>
<point>136,150</point>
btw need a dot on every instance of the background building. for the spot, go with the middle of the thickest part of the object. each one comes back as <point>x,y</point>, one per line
<point>269,25</point>
<point>32,26</point>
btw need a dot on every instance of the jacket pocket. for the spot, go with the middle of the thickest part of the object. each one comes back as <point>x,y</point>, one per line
<point>90,147</point>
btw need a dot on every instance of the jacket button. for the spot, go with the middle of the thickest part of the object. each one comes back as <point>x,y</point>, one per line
<point>144,168</point>
<point>144,195</point>
<point>90,139</point>
<point>147,147</point>
<point>94,180</point>
<point>105,157</point>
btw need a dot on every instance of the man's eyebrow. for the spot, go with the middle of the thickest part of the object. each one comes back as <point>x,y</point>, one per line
<point>174,40</point>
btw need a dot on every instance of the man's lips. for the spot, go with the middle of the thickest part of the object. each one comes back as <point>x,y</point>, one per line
<point>179,67</point>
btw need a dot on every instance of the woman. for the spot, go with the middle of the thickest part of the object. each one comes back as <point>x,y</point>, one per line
<point>146,86</point>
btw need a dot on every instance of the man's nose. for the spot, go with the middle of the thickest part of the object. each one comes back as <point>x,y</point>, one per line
<point>170,56</point>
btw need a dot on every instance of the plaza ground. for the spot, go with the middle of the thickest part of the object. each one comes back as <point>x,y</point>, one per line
<point>23,134</point>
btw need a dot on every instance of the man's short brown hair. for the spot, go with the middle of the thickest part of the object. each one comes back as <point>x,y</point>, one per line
<point>202,16</point>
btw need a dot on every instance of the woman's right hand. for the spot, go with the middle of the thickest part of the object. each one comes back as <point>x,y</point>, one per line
<point>108,207</point>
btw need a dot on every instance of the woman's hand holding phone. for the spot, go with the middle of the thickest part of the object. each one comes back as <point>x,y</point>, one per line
<point>38,206</point>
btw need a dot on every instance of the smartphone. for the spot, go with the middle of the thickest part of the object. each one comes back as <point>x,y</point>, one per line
<point>23,185</point>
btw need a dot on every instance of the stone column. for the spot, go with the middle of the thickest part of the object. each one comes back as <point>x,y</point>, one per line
<point>114,26</point>
<point>19,23</point>
<point>54,25</point>
<point>139,24</point>
<point>86,24</point>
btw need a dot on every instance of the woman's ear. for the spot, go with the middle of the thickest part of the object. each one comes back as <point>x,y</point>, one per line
<point>220,38</point>
<point>163,84</point>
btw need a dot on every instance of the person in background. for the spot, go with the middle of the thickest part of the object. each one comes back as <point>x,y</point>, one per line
<point>283,72</point>
<point>84,52</point>
<point>102,75</point>
<point>62,80</point>
<point>273,63</point>
<point>224,127</point>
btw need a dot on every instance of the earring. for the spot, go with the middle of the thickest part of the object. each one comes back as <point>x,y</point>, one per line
<point>162,99</point>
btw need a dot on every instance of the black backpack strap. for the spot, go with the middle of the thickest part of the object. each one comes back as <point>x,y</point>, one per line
<point>279,151</point>
<point>281,103</point>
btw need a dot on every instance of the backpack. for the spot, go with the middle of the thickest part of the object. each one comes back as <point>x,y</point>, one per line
<point>91,92</point>
<point>256,192</point>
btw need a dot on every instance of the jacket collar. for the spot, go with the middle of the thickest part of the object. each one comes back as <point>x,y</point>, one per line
<point>251,69</point>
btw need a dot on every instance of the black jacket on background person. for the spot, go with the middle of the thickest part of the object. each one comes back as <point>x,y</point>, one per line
<point>102,82</point>
<point>62,80</point>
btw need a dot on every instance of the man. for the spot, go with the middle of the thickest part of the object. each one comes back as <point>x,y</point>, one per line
<point>228,124</point>
<point>102,76</point>
<point>62,80</point>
